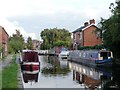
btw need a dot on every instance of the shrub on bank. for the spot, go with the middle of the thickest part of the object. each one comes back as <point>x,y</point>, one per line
<point>98,47</point>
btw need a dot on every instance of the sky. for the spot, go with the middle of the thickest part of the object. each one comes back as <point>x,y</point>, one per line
<point>31,17</point>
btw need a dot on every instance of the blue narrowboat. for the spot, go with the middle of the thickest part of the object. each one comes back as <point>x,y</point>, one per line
<point>91,57</point>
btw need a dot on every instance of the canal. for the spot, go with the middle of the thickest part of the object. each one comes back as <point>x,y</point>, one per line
<point>60,73</point>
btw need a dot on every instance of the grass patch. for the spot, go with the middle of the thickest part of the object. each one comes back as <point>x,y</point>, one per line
<point>9,75</point>
<point>3,58</point>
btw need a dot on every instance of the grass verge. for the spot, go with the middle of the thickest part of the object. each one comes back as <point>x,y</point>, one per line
<point>9,75</point>
<point>0,80</point>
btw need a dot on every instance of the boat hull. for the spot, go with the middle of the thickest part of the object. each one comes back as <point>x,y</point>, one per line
<point>92,62</point>
<point>30,66</point>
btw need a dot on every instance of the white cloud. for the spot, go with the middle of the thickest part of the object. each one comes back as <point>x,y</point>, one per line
<point>10,27</point>
<point>25,7</point>
<point>31,7</point>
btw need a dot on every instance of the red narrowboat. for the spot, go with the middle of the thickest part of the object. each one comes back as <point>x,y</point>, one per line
<point>30,61</point>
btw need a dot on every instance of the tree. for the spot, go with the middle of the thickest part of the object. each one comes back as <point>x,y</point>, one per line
<point>29,43</point>
<point>111,27</point>
<point>16,42</point>
<point>55,37</point>
<point>0,47</point>
<point>0,50</point>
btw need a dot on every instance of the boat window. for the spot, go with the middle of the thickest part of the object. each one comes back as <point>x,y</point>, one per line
<point>104,55</point>
<point>109,54</point>
<point>91,73</point>
<point>95,55</point>
<point>84,54</point>
<point>88,55</point>
<point>84,71</point>
<point>80,54</point>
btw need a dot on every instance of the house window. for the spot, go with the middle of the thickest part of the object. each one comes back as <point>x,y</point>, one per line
<point>80,35</point>
<point>74,36</point>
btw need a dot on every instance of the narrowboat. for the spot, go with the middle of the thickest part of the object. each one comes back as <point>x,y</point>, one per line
<point>91,57</point>
<point>30,61</point>
<point>64,54</point>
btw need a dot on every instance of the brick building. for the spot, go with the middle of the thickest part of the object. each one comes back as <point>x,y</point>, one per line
<point>3,41</point>
<point>36,44</point>
<point>86,36</point>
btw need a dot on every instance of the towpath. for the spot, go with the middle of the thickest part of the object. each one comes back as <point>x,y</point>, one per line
<point>6,62</point>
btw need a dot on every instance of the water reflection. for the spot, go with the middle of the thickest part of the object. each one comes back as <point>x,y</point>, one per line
<point>114,83</point>
<point>100,78</point>
<point>55,66</point>
<point>30,76</point>
<point>57,73</point>
<point>89,76</point>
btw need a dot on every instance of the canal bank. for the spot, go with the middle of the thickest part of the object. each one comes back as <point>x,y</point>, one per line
<point>19,77</point>
<point>11,73</point>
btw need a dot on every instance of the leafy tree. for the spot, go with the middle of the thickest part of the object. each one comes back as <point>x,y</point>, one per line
<point>55,37</point>
<point>0,47</point>
<point>29,43</point>
<point>111,27</point>
<point>16,42</point>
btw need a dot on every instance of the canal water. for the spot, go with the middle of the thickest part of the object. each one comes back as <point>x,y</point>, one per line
<point>60,73</point>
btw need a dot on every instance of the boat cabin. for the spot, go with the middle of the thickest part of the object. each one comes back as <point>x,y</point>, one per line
<point>30,56</point>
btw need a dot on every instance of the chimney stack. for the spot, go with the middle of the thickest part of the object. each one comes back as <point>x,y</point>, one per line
<point>86,24</point>
<point>92,21</point>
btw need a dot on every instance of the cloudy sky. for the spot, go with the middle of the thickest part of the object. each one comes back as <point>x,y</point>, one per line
<point>33,16</point>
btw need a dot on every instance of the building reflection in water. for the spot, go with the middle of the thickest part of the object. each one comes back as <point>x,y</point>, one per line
<point>91,78</point>
<point>55,66</point>
<point>30,76</point>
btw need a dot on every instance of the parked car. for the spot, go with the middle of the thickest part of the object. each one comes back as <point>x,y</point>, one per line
<point>64,54</point>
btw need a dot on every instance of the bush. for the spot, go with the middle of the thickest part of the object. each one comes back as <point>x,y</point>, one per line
<point>98,47</point>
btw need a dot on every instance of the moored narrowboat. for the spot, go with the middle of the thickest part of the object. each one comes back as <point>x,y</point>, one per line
<point>91,57</point>
<point>30,61</point>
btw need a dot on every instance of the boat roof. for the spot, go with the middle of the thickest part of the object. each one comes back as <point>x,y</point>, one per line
<point>103,50</point>
<point>28,50</point>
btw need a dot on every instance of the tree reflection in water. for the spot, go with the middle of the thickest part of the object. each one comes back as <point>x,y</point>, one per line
<point>55,67</point>
<point>114,83</point>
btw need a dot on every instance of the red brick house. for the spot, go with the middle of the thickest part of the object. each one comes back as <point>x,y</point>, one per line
<point>86,36</point>
<point>3,41</point>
